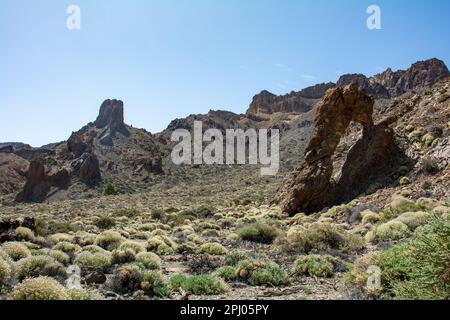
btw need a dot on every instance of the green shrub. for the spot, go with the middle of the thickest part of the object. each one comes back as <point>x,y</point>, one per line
<point>322,236</point>
<point>67,247</point>
<point>41,288</point>
<point>153,284</point>
<point>259,273</point>
<point>60,237</point>
<point>199,285</point>
<point>392,230</point>
<point>60,256</point>
<point>415,270</point>
<point>314,265</point>
<point>93,261</point>
<point>16,250</point>
<point>271,275</point>
<point>213,248</point>
<point>24,234</point>
<point>109,189</point>
<point>149,260</point>
<point>121,256</point>
<point>414,219</point>
<point>105,222</point>
<point>227,273</point>
<point>126,279</point>
<point>234,257</point>
<point>109,240</point>
<point>35,266</point>
<point>137,247</point>
<point>397,210</point>
<point>404,181</point>
<point>162,245</point>
<point>81,295</point>
<point>430,165</point>
<point>258,232</point>
<point>5,272</point>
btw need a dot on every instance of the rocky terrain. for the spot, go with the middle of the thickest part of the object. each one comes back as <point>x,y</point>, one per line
<point>364,183</point>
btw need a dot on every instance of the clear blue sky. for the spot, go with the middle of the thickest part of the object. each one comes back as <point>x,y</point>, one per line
<point>171,58</point>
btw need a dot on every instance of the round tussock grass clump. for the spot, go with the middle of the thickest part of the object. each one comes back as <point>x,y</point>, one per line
<point>93,261</point>
<point>213,248</point>
<point>149,260</point>
<point>16,250</point>
<point>36,266</point>
<point>258,232</point>
<point>42,288</point>
<point>5,272</point>
<point>109,240</point>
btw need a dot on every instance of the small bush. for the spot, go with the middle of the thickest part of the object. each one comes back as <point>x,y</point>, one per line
<point>404,181</point>
<point>314,265</point>
<point>5,272</point>
<point>227,273</point>
<point>60,237</point>
<point>162,245</point>
<point>121,256</point>
<point>93,261</point>
<point>428,139</point>
<point>41,288</point>
<point>109,189</point>
<point>199,285</point>
<point>414,219</point>
<point>126,279</point>
<point>36,266</point>
<point>81,295</point>
<point>414,270</point>
<point>213,248</point>
<point>234,257</point>
<point>149,260</point>
<point>258,232</point>
<point>137,247</point>
<point>16,250</point>
<point>67,247</point>
<point>392,230</point>
<point>60,256</point>
<point>109,240</point>
<point>430,165</point>
<point>259,273</point>
<point>105,222</point>
<point>153,284</point>
<point>321,236</point>
<point>24,234</point>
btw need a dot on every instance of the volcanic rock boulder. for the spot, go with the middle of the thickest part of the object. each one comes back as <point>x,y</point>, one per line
<point>87,168</point>
<point>39,183</point>
<point>310,187</point>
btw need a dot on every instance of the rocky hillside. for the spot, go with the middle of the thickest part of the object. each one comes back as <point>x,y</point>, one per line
<point>391,84</point>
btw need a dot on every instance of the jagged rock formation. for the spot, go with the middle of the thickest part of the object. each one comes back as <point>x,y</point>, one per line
<point>87,168</point>
<point>39,183</point>
<point>267,103</point>
<point>12,172</point>
<point>310,187</point>
<point>390,84</point>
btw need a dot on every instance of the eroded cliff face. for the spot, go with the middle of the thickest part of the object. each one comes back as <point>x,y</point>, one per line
<point>310,187</point>
<point>266,103</point>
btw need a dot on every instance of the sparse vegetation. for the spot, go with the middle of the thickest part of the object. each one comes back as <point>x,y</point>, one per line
<point>199,285</point>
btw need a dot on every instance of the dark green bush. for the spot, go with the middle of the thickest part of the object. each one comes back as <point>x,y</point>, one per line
<point>258,232</point>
